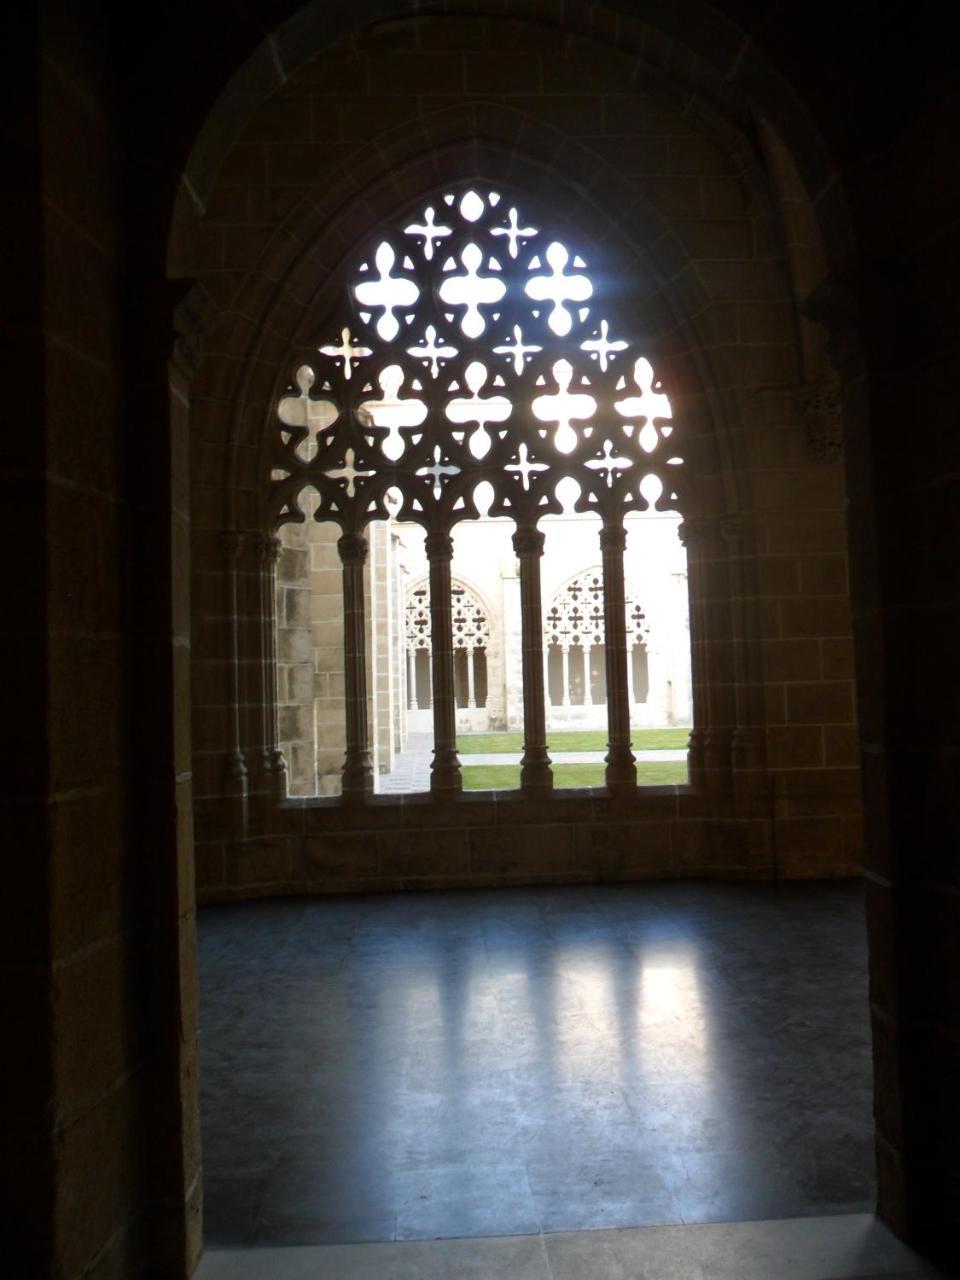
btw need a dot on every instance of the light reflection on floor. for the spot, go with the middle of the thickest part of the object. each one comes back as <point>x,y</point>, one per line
<point>554,1059</point>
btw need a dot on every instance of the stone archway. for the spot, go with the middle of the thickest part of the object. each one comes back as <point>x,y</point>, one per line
<point>731,529</point>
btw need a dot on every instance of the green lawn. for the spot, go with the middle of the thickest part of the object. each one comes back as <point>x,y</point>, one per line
<point>575,740</point>
<point>506,777</point>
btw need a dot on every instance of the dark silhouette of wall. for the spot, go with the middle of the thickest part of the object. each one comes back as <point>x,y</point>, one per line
<point>99,1099</point>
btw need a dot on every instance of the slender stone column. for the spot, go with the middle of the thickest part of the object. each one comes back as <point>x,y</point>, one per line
<point>357,764</point>
<point>273,764</point>
<point>587,691</point>
<point>236,766</point>
<point>471,679</point>
<point>621,771</point>
<point>430,676</point>
<point>693,534</point>
<point>565,661</point>
<point>445,779</point>
<point>536,776</point>
<point>412,679</point>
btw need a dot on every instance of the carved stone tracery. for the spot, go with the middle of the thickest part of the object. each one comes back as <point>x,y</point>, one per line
<point>474,355</point>
<point>471,626</point>
<point>575,616</point>
<point>472,346</point>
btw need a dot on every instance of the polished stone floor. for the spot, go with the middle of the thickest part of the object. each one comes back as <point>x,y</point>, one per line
<point>526,1061</point>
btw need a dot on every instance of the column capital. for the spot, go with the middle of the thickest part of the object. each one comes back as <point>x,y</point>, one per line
<point>613,537</point>
<point>693,530</point>
<point>438,546</point>
<point>528,542</point>
<point>267,547</point>
<point>353,548</point>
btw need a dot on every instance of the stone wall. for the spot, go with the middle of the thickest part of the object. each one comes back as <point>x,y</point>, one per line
<point>385,649</point>
<point>296,648</point>
<point>309,638</point>
<point>114,145</point>
<point>98,1108</point>
<point>700,234</point>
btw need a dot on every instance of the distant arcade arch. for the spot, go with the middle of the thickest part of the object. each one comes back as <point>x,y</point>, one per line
<point>574,639</point>
<point>471,641</point>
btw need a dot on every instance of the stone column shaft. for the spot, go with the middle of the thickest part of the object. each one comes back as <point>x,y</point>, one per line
<point>274,765</point>
<point>236,770</point>
<point>621,770</point>
<point>565,668</point>
<point>587,691</point>
<point>536,775</point>
<point>445,778</point>
<point>471,679</point>
<point>412,679</point>
<point>693,535</point>
<point>357,764</point>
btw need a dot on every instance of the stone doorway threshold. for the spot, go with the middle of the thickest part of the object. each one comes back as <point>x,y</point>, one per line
<point>842,1247</point>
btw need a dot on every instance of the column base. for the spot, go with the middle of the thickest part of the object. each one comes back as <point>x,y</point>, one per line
<point>357,785</point>
<point>446,786</point>
<point>696,759</point>
<point>536,776</point>
<point>536,790</point>
<point>446,781</point>
<point>236,771</point>
<point>277,771</point>
<point>621,771</point>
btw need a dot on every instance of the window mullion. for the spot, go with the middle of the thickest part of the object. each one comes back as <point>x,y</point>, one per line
<point>471,678</point>
<point>621,772</point>
<point>357,765</point>
<point>274,764</point>
<point>445,778</point>
<point>231,544</point>
<point>535,772</point>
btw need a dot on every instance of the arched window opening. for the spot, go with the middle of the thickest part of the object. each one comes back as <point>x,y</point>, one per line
<point>471,642</point>
<point>574,635</point>
<point>417,620</point>
<point>477,386</point>
<point>661,710</point>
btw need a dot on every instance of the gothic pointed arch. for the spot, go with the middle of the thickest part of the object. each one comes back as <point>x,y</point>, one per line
<point>575,612</point>
<point>678,303</point>
<point>474,346</point>
<point>474,628</point>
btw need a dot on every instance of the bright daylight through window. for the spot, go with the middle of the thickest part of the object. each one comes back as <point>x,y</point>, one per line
<point>481,584</point>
